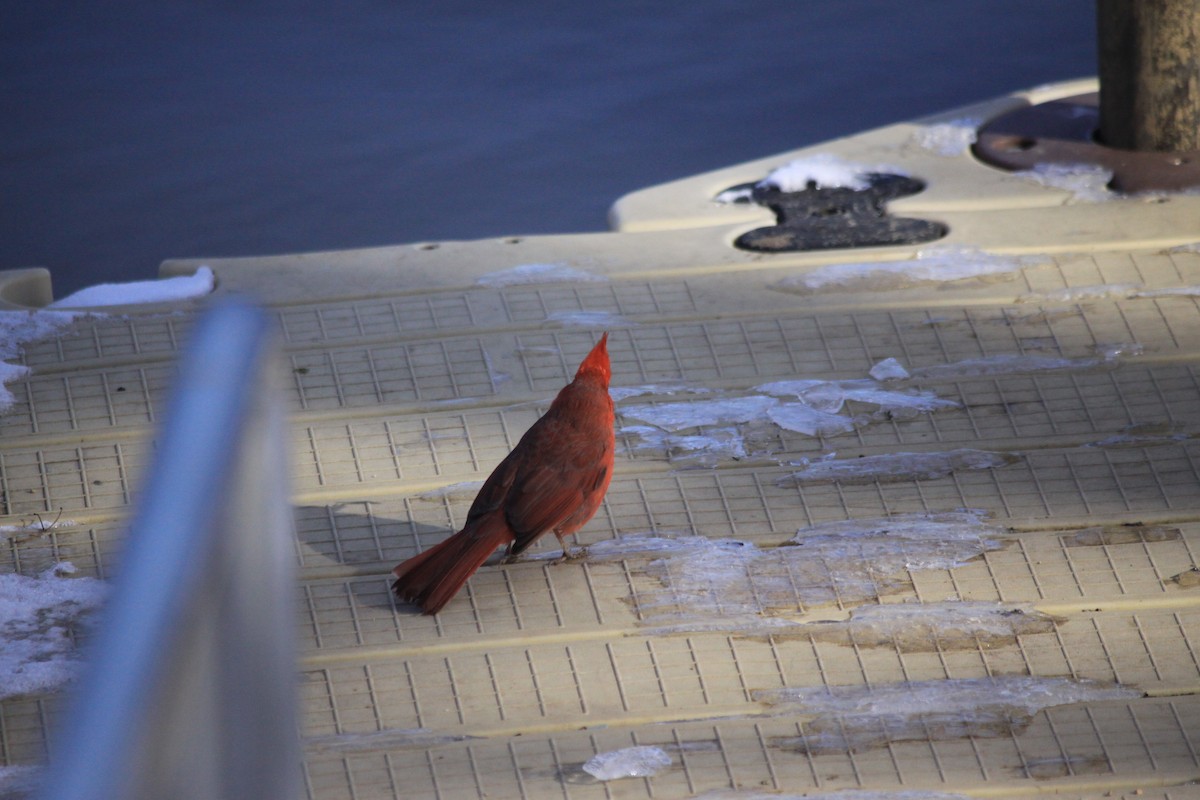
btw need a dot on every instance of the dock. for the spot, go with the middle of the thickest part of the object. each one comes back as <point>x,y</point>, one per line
<point>899,518</point>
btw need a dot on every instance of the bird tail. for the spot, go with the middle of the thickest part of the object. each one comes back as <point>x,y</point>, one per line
<point>430,579</point>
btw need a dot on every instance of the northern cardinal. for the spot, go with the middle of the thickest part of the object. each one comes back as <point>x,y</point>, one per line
<point>553,480</point>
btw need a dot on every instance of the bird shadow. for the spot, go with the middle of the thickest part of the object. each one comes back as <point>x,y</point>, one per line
<point>350,542</point>
<point>365,545</point>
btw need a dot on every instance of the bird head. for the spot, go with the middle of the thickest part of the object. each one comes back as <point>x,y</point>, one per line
<point>596,363</point>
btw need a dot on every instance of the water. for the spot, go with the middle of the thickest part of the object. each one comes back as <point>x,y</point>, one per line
<point>146,130</point>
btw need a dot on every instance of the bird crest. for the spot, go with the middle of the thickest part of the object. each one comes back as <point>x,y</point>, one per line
<point>596,362</point>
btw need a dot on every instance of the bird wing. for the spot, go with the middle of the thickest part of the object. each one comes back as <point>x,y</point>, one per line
<point>554,468</point>
<point>545,496</point>
<point>537,486</point>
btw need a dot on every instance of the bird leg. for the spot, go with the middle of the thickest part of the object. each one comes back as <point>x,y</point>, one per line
<point>509,556</point>
<point>567,553</point>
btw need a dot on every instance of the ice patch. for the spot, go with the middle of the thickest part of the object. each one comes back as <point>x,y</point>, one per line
<point>588,319</point>
<point>460,489</point>
<point>32,530</point>
<point>166,290</point>
<point>1004,365</point>
<point>818,413</point>
<point>1087,183</point>
<point>893,467</point>
<point>628,762</point>
<point>935,264</point>
<point>934,627</point>
<point>680,416</point>
<point>1080,294</point>
<point>949,139</point>
<point>19,781</point>
<point>37,618</point>
<point>1112,291</point>
<point>854,718</point>
<point>802,418</point>
<point>887,370</point>
<point>704,450</point>
<point>841,794</point>
<point>829,395</point>
<point>537,273</point>
<point>497,377</point>
<point>640,544</point>
<point>619,393</point>
<point>1138,440</point>
<point>1170,291</point>
<point>389,739</point>
<point>903,542</point>
<point>726,584</point>
<point>17,329</point>
<point>1117,350</point>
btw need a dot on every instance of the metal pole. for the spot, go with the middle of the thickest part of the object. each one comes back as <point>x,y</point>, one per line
<point>1149,74</point>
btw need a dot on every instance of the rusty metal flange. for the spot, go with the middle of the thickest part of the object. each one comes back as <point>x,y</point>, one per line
<point>1064,132</point>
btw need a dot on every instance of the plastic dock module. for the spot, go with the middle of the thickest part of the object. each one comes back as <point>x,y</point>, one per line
<point>973,570</point>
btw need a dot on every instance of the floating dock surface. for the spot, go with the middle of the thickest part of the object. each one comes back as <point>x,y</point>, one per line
<point>970,571</point>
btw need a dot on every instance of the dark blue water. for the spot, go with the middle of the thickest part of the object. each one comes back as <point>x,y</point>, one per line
<point>173,129</point>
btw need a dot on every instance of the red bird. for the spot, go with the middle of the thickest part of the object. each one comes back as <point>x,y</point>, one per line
<point>553,480</point>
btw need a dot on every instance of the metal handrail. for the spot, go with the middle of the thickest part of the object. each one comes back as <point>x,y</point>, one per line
<point>189,690</point>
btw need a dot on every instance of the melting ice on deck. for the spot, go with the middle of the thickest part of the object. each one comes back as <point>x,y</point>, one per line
<point>858,717</point>
<point>722,584</point>
<point>809,407</point>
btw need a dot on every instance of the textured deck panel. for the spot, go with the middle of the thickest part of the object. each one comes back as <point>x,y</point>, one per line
<point>995,594</point>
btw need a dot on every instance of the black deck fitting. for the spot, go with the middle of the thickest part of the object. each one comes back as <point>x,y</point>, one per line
<point>834,218</point>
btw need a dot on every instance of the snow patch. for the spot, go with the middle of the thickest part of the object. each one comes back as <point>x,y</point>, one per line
<point>37,618</point>
<point>949,139</point>
<point>851,718</point>
<point>822,170</point>
<point>628,762</point>
<point>166,290</point>
<point>935,264</point>
<point>1087,183</point>
<point>537,273</point>
<point>17,329</point>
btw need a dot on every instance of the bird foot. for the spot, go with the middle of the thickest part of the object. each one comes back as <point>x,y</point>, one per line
<point>568,554</point>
